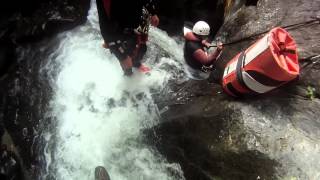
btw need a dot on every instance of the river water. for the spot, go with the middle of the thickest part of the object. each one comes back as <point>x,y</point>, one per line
<point>99,114</point>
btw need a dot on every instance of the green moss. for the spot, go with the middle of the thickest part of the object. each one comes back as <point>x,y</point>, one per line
<point>290,178</point>
<point>310,92</point>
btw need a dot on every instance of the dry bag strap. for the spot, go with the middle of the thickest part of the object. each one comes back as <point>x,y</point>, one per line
<point>240,63</point>
<point>248,82</point>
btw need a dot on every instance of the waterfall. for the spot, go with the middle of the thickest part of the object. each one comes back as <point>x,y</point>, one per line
<point>100,114</point>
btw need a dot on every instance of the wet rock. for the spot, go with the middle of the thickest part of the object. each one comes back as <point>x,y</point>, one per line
<point>274,136</point>
<point>7,56</point>
<point>174,13</point>
<point>214,136</point>
<point>33,20</point>
<point>24,22</point>
<point>24,101</point>
<point>250,20</point>
<point>10,167</point>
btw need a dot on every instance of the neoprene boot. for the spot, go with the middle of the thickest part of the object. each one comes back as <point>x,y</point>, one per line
<point>126,65</point>
<point>144,69</point>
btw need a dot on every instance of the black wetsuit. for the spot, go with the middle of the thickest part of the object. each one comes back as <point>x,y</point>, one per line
<point>117,29</point>
<point>189,48</point>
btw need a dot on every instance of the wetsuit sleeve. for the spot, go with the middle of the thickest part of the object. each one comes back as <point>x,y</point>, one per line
<point>205,58</point>
<point>104,21</point>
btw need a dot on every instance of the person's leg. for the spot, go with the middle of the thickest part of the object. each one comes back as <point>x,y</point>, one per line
<point>137,50</point>
<point>141,51</point>
<point>126,65</point>
<point>119,50</point>
<point>137,62</point>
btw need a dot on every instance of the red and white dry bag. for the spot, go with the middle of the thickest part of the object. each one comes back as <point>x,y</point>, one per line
<point>269,63</point>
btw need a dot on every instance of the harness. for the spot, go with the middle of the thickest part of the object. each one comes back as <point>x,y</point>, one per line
<point>144,25</point>
<point>140,33</point>
<point>211,67</point>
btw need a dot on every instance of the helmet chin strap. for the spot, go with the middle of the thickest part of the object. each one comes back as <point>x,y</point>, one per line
<point>201,37</point>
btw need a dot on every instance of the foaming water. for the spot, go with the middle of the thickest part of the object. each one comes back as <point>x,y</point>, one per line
<point>100,113</point>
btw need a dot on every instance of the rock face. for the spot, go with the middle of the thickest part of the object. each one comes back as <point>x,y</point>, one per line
<point>174,13</point>
<point>274,136</point>
<point>9,164</point>
<point>32,20</point>
<point>26,21</point>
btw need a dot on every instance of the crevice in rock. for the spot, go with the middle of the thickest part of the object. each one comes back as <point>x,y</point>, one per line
<point>173,14</point>
<point>252,2</point>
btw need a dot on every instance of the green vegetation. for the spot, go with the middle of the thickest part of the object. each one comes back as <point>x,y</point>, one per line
<point>310,92</point>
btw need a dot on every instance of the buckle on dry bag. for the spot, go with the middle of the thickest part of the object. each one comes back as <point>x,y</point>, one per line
<point>284,49</point>
<point>206,69</point>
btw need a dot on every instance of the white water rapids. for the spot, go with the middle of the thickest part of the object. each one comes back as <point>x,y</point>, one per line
<point>100,113</point>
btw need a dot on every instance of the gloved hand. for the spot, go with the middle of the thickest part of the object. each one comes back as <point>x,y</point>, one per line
<point>220,46</point>
<point>154,20</point>
<point>206,43</point>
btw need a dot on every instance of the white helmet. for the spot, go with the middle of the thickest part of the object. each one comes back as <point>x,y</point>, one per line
<point>201,28</point>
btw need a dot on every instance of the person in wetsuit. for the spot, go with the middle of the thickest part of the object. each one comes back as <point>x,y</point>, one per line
<point>199,61</point>
<point>124,26</point>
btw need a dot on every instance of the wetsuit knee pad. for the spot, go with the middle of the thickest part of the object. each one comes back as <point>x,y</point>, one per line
<point>119,52</point>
